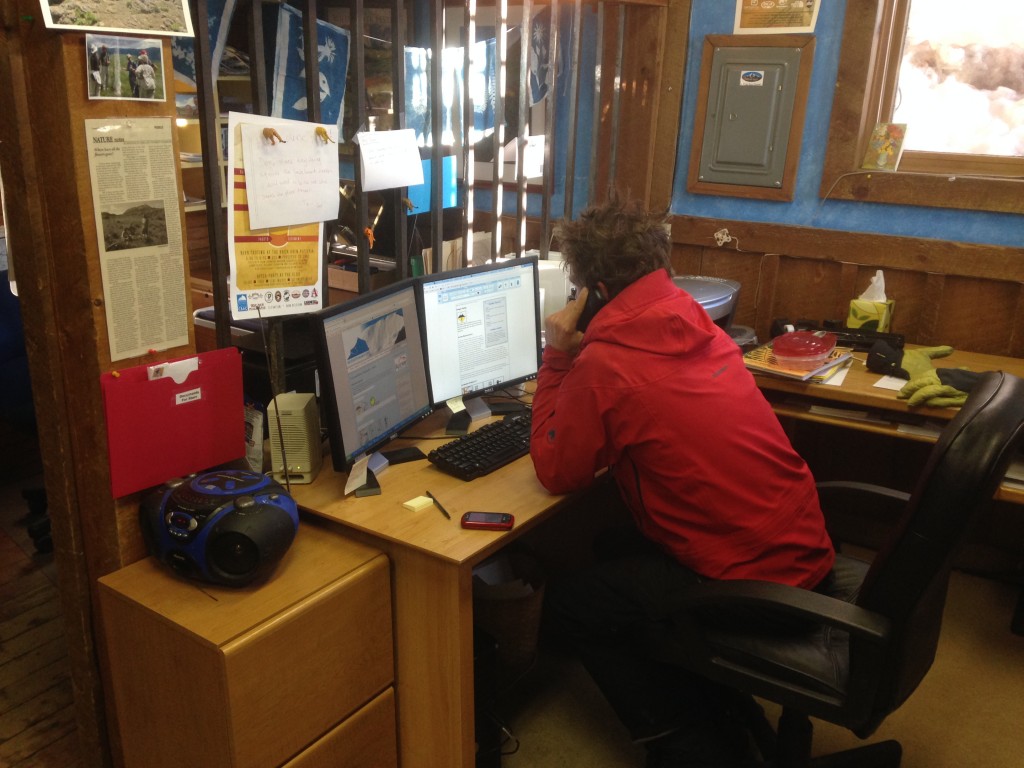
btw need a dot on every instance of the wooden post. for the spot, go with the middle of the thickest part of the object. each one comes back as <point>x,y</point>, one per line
<point>53,240</point>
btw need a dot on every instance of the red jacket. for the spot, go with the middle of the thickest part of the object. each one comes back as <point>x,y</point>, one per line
<point>660,394</point>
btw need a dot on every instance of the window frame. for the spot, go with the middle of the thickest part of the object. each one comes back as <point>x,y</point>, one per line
<point>863,95</point>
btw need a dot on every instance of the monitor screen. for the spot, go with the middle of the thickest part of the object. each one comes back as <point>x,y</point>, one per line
<point>482,328</point>
<point>373,378</point>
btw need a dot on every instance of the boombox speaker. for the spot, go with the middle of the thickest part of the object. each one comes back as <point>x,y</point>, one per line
<point>228,527</point>
<point>299,434</point>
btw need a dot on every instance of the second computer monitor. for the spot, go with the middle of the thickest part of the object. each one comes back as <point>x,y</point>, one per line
<point>481,328</point>
<point>372,371</point>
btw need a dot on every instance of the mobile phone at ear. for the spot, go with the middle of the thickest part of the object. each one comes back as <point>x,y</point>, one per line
<point>594,302</point>
<point>488,521</point>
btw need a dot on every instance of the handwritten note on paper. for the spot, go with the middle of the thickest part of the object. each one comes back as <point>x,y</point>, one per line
<point>291,173</point>
<point>389,159</point>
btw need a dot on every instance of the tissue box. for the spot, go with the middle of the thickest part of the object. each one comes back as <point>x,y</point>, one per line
<point>870,315</point>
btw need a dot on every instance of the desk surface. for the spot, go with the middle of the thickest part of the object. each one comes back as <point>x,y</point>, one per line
<point>858,404</point>
<point>858,388</point>
<point>514,488</point>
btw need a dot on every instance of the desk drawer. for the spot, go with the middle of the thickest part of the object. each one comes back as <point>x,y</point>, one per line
<point>247,678</point>
<point>368,739</point>
<point>299,675</point>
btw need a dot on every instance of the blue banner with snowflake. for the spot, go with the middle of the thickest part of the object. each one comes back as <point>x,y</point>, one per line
<point>183,53</point>
<point>289,76</point>
<point>539,64</point>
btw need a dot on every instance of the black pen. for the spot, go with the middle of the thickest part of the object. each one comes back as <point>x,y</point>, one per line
<point>438,505</point>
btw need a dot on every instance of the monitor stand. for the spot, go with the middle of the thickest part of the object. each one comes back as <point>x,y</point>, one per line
<point>371,487</point>
<point>472,410</point>
<point>375,464</point>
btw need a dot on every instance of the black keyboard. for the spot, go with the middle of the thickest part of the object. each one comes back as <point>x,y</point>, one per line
<point>481,452</point>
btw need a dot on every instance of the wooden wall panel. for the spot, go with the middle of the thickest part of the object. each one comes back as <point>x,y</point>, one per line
<point>967,295</point>
<point>806,290</point>
<point>976,314</point>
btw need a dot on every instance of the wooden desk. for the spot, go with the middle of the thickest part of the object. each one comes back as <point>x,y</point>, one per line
<point>433,557</point>
<point>858,404</point>
<point>433,560</point>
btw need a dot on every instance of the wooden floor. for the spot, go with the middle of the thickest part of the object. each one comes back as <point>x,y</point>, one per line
<point>37,725</point>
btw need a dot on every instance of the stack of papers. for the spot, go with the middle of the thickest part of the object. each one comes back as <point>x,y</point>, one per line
<point>762,360</point>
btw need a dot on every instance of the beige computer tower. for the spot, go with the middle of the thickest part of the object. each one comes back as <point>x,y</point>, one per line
<point>300,434</point>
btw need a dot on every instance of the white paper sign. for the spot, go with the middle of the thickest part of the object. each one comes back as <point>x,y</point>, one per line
<point>291,173</point>
<point>389,159</point>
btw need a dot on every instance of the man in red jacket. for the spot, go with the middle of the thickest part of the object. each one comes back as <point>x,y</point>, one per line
<point>658,394</point>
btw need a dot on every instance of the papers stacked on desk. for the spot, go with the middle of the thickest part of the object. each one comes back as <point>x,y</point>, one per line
<point>762,360</point>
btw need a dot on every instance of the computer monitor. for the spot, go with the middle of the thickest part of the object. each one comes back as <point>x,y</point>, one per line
<point>481,326</point>
<point>373,376</point>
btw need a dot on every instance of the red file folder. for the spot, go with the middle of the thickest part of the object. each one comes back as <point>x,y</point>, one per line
<point>173,418</point>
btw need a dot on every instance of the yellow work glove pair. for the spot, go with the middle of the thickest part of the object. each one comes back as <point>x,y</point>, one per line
<point>925,387</point>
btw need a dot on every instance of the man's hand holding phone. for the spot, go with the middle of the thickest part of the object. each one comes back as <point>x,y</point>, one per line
<point>560,328</point>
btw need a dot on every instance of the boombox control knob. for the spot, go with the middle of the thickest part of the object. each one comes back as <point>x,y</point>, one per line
<point>245,503</point>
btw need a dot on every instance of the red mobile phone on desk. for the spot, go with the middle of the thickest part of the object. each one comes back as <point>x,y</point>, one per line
<point>488,521</point>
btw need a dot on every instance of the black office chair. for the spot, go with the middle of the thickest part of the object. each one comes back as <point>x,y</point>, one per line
<point>874,630</point>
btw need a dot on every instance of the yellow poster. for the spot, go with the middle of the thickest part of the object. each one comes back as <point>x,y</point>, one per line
<point>275,270</point>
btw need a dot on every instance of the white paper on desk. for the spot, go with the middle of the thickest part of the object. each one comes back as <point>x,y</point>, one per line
<point>291,180</point>
<point>389,159</point>
<point>837,378</point>
<point>1015,472</point>
<point>357,475</point>
<point>890,382</point>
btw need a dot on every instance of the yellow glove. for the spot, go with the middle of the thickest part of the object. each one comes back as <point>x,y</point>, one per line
<point>924,387</point>
<point>928,390</point>
<point>917,362</point>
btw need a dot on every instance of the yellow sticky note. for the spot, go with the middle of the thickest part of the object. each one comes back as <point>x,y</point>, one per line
<point>420,502</point>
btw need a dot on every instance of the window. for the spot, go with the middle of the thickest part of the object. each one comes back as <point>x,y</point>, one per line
<point>972,176</point>
<point>960,85</point>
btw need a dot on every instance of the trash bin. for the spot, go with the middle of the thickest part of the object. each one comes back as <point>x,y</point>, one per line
<point>508,593</point>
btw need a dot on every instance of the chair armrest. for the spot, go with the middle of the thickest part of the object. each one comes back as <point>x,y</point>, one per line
<point>847,494</point>
<point>789,602</point>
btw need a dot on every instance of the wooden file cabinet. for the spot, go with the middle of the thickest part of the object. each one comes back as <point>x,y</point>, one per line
<point>298,671</point>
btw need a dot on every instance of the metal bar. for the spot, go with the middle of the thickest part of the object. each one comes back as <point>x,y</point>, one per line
<point>574,108</point>
<point>501,73</point>
<point>436,175</point>
<point>209,139</point>
<point>523,131</point>
<point>468,133</point>
<point>358,61</point>
<point>549,135</point>
<point>596,117</point>
<point>309,46</point>
<point>258,61</point>
<point>617,97</point>
<point>401,213</point>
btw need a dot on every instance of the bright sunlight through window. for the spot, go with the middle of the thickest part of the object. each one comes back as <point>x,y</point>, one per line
<point>961,80</point>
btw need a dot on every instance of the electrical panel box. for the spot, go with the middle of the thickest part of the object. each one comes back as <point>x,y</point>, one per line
<point>750,118</point>
<point>750,107</point>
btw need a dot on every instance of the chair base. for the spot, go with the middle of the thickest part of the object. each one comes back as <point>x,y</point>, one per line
<point>883,754</point>
<point>792,748</point>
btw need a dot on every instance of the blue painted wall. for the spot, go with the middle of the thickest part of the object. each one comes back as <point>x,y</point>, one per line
<point>715,17</point>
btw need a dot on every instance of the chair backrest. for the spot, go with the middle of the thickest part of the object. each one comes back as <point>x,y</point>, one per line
<point>908,579</point>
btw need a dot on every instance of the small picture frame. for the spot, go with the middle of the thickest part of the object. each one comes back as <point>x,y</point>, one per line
<point>119,67</point>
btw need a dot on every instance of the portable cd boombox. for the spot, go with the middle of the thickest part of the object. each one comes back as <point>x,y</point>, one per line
<point>228,527</point>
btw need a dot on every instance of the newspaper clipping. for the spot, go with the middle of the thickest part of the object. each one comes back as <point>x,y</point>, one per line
<point>135,199</point>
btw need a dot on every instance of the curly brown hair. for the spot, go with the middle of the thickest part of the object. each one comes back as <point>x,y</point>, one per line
<point>616,242</point>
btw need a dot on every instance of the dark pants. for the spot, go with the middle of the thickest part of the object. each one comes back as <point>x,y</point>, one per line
<point>604,611</point>
<point>600,614</point>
